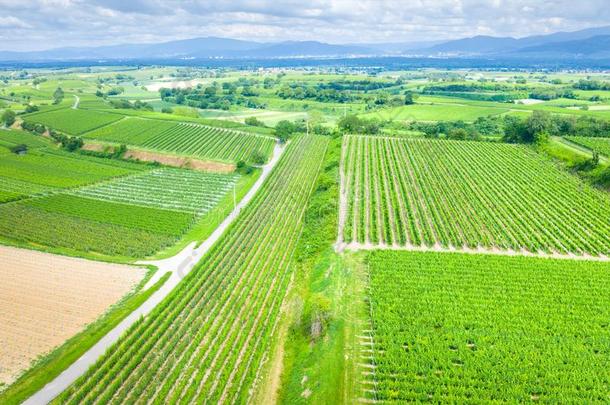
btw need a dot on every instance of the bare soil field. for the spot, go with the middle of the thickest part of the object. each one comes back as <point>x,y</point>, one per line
<point>180,161</point>
<point>45,299</point>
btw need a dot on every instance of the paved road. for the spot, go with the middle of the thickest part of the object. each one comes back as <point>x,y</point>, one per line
<point>179,266</point>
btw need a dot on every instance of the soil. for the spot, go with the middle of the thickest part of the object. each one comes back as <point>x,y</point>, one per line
<point>45,299</point>
<point>181,161</point>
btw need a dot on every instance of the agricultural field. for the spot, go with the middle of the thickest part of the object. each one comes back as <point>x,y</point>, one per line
<point>209,339</point>
<point>42,302</point>
<point>601,145</point>
<point>73,121</point>
<point>44,170</point>
<point>132,131</point>
<point>211,143</point>
<point>132,216</point>
<point>475,195</point>
<point>436,112</point>
<point>459,328</point>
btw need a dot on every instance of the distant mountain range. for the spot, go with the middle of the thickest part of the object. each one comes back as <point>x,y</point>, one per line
<point>593,43</point>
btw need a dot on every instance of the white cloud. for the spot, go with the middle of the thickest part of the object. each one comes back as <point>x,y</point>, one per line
<point>93,22</point>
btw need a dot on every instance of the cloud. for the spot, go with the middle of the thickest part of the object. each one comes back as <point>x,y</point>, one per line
<point>37,24</point>
<point>13,22</point>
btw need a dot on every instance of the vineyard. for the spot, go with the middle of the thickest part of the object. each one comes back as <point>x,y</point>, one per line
<point>133,131</point>
<point>45,170</point>
<point>173,189</point>
<point>461,328</point>
<point>71,121</point>
<point>455,194</point>
<point>207,341</point>
<point>599,144</point>
<point>133,215</point>
<point>211,143</point>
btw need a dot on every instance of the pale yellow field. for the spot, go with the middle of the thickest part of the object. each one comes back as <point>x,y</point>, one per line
<point>45,299</point>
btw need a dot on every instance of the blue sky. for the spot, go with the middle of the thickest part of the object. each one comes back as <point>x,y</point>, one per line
<point>42,24</point>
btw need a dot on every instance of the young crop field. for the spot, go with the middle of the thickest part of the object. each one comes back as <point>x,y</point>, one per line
<point>209,339</point>
<point>11,138</point>
<point>46,299</point>
<point>459,194</point>
<point>464,328</point>
<point>131,131</point>
<point>211,143</point>
<point>180,190</point>
<point>601,145</point>
<point>73,121</point>
<point>134,215</point>
<point>43,170</point>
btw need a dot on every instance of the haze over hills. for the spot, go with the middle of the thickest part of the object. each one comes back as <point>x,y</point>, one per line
<point>590,43</point>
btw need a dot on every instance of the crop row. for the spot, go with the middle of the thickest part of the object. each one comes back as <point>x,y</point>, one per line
<point>28,224</point>
<point>463,328</point>
<point>127,215</point>
<point>173,189</point>
<point>211,143</point>
<point>132,131</point>
<point>601,145</point>
<point>207,341</point>
<point>413,192</point>
<point>71,121</point>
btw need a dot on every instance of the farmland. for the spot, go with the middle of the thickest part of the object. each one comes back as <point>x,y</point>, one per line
<point>43,295</point>
<point>218,325</point>
<point>71,121</point>
<point>133,131</point>
<point>601,145</point>
<point>476,195</point>
<point>133,216</point>
<point>333,233</point>
<point>456,328</point>
<point>212,143</point>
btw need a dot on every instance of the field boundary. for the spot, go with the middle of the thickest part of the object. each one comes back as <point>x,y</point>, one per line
<point>355,247</point>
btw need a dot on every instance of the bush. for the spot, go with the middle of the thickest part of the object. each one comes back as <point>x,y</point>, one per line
<point>19,149</point>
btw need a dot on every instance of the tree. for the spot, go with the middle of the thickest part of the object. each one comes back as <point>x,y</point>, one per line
<point>8,117</point>
<point>284,129</point>
<point>409,99</point>
<point>58,95</point>
<point>459,134</point>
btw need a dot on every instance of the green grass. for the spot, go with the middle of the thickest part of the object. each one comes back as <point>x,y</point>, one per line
<point>483,328</point>
<point>51,365</point>
<point>73,122</point>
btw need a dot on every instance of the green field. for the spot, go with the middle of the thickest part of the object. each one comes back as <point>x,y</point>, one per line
<point>71,121</point>
<point>435,112</point>
<point>211,143</point>
<point>601,145</point>
<point>476,194</point>
<point>228,305</point>
<point>456,328</point>
<point>131,131</point>
<point>172,189</point>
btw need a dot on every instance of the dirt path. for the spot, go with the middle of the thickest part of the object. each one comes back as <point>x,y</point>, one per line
<point>76,102</point>
<point>179,266</point>
<point>481,250</point>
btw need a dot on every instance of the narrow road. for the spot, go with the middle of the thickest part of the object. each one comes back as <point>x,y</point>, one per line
<point>179,266</point>
<point>76,102</point>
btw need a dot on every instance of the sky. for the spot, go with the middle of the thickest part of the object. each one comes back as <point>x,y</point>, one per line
<point>43,24</point>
